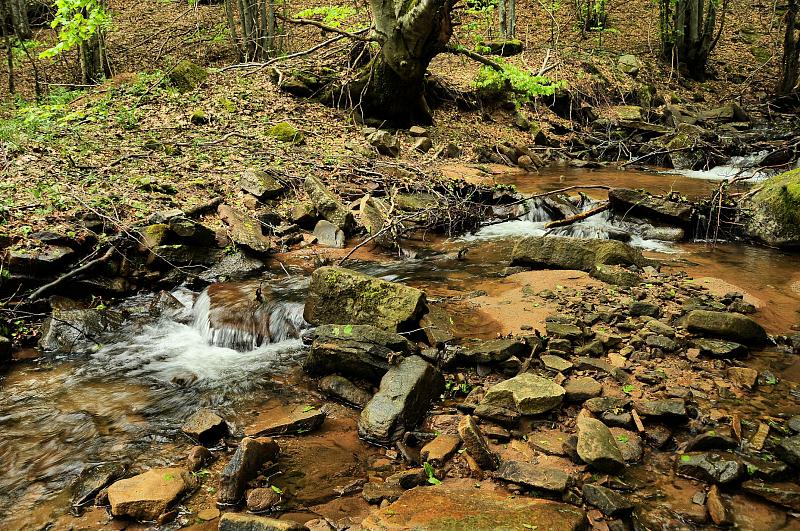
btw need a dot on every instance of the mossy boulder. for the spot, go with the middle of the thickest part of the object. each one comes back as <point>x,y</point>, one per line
<point>774,211</point>
<point>504,47</point>
<point>551,252</point>
<point>286,132</point>
<point>342,296</point>
<point>186,76</point>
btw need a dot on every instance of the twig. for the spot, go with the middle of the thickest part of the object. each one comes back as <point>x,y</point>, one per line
<point>460,50</point>
<point>577,217</point>
<point>39,292</point>
<point>217,141</point>
<point>325,27</point>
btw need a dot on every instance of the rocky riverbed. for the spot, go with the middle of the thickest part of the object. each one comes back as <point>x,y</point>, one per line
<point>536,382</point>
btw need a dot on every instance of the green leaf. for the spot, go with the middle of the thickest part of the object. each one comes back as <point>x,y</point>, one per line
<point>686,458</point>
<point>276,489</point>
<point>308,408</point>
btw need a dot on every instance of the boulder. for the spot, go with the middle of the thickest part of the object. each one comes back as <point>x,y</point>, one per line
<point>374,215</point>
<point>788,450</point>
<point>260,184</point>
<point>328,205</point>
<point>731,326</point>
<point>596,446</point>
<point>666,408</point>
<point>343,389</point>
<point>404,396</point>
<point>527,394</point>
<point>503,47</point>
<point>185,230</point>
<point>552,252</point>
<point>461,504</point>
<point>146,496</point>
<point>711,467</point>
<point>205,426</point>
<point>286,420</point>
<point>328,234</point>
<point>244,230</point>
<point>262,499</point>
<point>245,464</point>
<point>684,153</point>
<point>773,213</point>
<point>629,64</point>
<point>438,326</point>
<point>385,142</point>
<point>286,132</point>
<point>640,203</point>
<point>361,351</point>
<point>72,330</point>
<point>43,260</point>
<point>475,444</point>
<point>251,522</point>
<point>534,476</point>
<point>342,296</point>
<point>580,390</point>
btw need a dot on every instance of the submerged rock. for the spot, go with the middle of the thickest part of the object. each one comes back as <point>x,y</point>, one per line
<point>362,351</point>
<point>551,252</point>
<point>341,296</point>
<point>774,211</point>
<point>69,330</point>
<point>248,459</point>
<point>404,396</point>
<point>146,496</point>
<point>644,204</point>
<point>733,326</point>
<point>458,504</point>
<point>92,479</point>
<point>251,522</point>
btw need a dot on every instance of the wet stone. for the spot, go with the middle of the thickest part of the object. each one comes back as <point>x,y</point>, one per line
<point>248,459</point>
<point>287,420</point>
<point>794,423</point>
<point>710,440</point>
<point>205,426</point>
<point>345,390</point>
<point>629,444</point>
<point>657,435</point>
<point>475,444</point>
<point>440,450</point>
<point>744,377</point>
<point>730,326</point>
<point>789,450</point>
<point>606,403</point>
<point>250,522</point>
<point>148,495</point>
<point>718,508</point>
<point>93,479</point>
<point>262,499</point>
<point>596,446</point>
<point>610,502</point>
<point>717,348</point>
<point>328,234</point>
<point>711,467</point>
<point>785,494</point>
<point>639,308</point>
<point>534,476</point>
<point>494,350</point>
<point>623,420</point>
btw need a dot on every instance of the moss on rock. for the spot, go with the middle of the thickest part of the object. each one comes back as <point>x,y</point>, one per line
<point>774,211</point>
<point>286,132</point>
<point>187,76</point>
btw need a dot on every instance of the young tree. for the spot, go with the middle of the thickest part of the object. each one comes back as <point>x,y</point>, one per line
<point>508,18</point>
<point>689,32</point>
<point>790,65</point>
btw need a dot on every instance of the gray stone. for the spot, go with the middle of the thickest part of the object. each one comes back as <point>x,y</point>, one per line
<point>774,216</point>
<point>562,331</point>
<point>385,142</point>
<point>92,480</point>
<point>629,64</point>
<point>404,396</point>
<point>341,296</point>
<point>251,522</point>
<point>361,351</point>
<point>528,394</point>
<point>74,330</point>
<point>235,266</point>
<point>661,342</point>
<point>581,389</point>
<point>422,144</point>
<point>345,390</point>
<point>244,230</point>
<point>534,476</point>
<point>205,426</point>
<point>328,234</point>
<point>262,499</point>
<point>610,502</point>
<point>475,444</point>
<point>260,184</point>
<point>629,444</point>
<point>648,309</point>
<point>667,408</point>
<point>493,350</point>
<point>606,403</point>
<point>328,205</point>
<point>789,450</point>
<point>732,326</point>
<point>785,493</point>
<point>644,204</point>
<point>616,275</point>
<point>711,467</point>
<point>717,348</point>
<point>555,363</point>
<point>596,446</point>
<point>710,440</point>
<point>245,464</point>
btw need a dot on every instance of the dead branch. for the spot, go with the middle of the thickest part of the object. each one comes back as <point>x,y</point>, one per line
<point>577,217</point>
<point>66,276</point>
<point>325,27</point>
<point>460,50</point>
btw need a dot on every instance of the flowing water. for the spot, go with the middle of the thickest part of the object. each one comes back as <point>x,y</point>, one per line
<point>235,348</point>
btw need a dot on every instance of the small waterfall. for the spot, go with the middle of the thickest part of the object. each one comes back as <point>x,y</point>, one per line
<point>537,213</point>
<point>244,316</point>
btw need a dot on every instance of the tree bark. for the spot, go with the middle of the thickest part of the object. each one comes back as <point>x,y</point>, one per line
<point>790,64</point>
<point>410,33</point>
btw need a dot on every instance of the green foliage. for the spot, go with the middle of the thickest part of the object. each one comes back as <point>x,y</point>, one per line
<point>521,85</point>
<point>78,21</point>
<point>432,479</point>
<point>332,16</point>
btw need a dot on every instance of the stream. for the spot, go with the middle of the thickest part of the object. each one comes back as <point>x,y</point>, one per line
<point>125,400</point>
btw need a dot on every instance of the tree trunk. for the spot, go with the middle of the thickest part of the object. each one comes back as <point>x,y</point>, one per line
<point>411,33</point>
<point>790,65</point>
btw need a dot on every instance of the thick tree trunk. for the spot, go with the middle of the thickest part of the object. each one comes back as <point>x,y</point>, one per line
<point>411,33</point>
<point>790,65</point>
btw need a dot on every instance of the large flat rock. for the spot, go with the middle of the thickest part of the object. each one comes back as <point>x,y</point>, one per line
<point>146,496</point>
<point>553,252</point>
<point>527,393</point>
<point>458,504</point>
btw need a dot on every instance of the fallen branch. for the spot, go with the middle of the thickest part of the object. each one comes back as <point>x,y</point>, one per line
<point>325,27</point>
<point>460,50</point>
<point>66,276</point>
<point>577,217</point>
